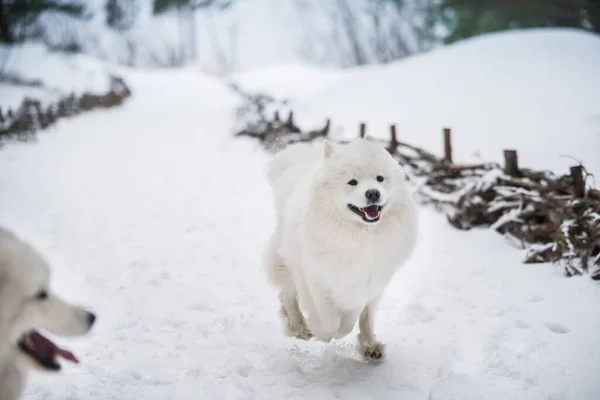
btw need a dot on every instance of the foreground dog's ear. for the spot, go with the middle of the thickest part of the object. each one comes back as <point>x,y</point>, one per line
<point>329,148</point>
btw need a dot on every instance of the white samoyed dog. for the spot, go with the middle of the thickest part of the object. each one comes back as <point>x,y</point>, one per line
<point>27,304</point>
<point>346,222</point>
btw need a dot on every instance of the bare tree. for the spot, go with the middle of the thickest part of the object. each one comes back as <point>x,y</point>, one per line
<point>186,15</point>
<point>360,32</point>
<point>4,56</point>
<point>350,26</point>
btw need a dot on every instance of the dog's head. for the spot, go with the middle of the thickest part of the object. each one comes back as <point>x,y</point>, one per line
<point>361,180</point>
<point>28,305</point>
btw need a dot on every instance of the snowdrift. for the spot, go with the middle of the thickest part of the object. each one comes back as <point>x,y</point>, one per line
<point>535,91</point>
<point>31,71</point>
<point>37,87</point>
<point>291,81</point>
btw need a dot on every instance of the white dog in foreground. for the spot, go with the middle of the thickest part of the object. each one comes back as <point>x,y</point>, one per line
<point>346,222</point>
<point>28,304</point>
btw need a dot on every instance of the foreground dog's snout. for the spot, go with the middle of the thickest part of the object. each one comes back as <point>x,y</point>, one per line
<point>372,195</point>
<point>91,318</point>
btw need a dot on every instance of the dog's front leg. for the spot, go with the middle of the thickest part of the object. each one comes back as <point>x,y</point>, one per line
<point>347,323</point>
<point>329,316</point>
<point>324,317</point>
<point>307,303</point>
<point>368,346</point>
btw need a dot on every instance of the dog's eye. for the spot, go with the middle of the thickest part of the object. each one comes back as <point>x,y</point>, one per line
<point>41,295</point>
<point>353,182</point>
<point>379,178</point>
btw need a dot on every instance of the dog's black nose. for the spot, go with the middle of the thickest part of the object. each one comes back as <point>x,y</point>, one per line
<point>373,195</point>
<point>91,318</point>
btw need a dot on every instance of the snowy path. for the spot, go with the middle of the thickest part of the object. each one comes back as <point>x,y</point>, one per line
<point>156,218</point>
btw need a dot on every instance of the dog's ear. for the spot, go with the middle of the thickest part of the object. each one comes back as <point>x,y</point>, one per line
<point>329,148</point>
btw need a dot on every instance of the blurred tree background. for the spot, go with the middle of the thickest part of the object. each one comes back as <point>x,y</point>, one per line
<point>356,32</point>
<point>19,18</point>
<point>121,14</point>
<point>467,18</point>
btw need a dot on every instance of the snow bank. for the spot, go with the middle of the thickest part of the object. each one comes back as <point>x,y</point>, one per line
<point>536,91</point>
<point>48,76</point>
<point>202,91</point>
<point>289,81</point>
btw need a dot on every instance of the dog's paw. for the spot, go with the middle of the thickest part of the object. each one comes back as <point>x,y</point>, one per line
<point>319,334</point>
<point>371,352</point>
<point>299,332</point>
<point>303,333</point>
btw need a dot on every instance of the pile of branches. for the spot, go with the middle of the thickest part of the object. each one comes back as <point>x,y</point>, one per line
<point>543,213</point>
<point>31,116</point>
<point>259,117</point>
<point>537,209</point>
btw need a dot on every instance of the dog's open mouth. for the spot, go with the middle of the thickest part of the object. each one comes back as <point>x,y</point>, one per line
<point>368,214</point>
<point>43,351</point>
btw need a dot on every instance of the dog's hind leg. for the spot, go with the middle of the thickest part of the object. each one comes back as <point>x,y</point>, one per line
<point>367,345</point>
<point>290,310</point>
<point>281,276</point>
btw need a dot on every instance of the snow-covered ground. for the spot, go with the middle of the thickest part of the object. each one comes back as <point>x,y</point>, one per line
<point>155,217</point>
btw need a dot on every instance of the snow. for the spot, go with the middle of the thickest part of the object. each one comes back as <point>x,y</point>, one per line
<point>51,75</point>
<point>155,217</point>
<point>288,81</point>
<point>536,91</point>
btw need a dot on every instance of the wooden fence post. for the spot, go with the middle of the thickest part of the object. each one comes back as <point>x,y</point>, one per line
<point>578,181</point>
<point>447,145</point>
<point>363,130</point>
<point>511,163</point>
<point>394,141</point>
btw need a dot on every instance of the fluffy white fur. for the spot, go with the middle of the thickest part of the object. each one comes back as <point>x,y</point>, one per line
<point>323,257</point>
<point>24,274</point>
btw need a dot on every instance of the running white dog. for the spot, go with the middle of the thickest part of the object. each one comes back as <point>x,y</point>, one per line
<point>27,304</point>
<point>346,222</point>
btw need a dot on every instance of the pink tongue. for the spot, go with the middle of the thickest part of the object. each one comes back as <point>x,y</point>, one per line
<point>45,347</point>
<point>372,213</point>
<point>67,355</point>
